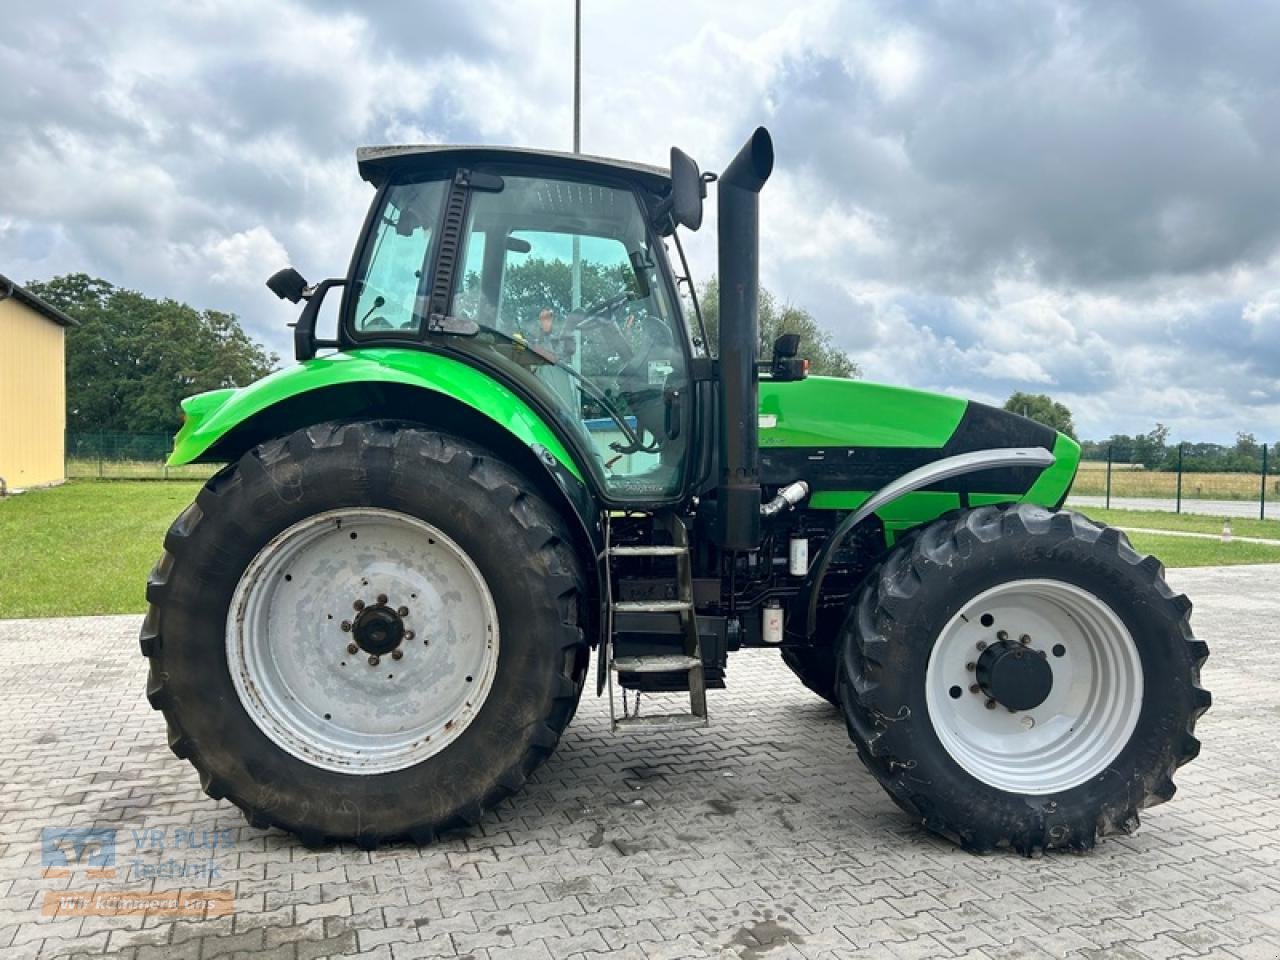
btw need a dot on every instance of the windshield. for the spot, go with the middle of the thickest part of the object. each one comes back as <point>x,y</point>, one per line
<point>563,280</point>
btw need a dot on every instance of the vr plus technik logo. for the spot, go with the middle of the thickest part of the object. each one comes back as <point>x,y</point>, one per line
<point>92,849</point>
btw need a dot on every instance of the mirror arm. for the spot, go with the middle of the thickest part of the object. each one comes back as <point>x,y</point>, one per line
<point>305,343</point>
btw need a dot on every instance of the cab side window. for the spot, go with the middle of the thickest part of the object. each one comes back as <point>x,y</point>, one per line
<point>392,283</point>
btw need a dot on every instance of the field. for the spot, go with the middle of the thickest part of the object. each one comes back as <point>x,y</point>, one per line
<point>1185,522</point>
<point>86,547</point>
<point>1195,552</point>
<point>1126,481</point>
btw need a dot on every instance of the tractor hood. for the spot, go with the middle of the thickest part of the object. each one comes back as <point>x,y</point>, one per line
<point>848,438</point>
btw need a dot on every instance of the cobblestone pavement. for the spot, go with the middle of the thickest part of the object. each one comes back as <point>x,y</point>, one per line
<point>762,838</point>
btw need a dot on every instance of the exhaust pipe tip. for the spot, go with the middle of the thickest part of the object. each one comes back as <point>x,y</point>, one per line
<point>753,164</point>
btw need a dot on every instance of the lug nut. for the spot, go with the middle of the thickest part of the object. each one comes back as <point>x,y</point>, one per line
<point>359,605</point>
<point>382,598</point>
<point>374,660</point>
<point>346,626</point>
<point>402,611</point>
<point>991,704</point>
<point>397,653</point>
<point>971,666</point>
<point>1024,639</point>
<point>408,634</point>
<point>982,644</point>
<point>352,648</point>
<point>974,688</point>
<point>1002,635</point>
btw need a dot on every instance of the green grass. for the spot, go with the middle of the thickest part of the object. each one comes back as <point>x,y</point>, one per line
<point>84,547</point>
<point>1194,552</point>
<point>1191,523</point>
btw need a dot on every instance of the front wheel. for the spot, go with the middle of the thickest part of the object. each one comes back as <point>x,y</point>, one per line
<point>1021,678</point>
<point>366,631</point>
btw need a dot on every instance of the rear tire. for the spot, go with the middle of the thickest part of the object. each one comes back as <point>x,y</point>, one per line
<point>1119,715</point>
<point>816,669</point>
<point>246,695</point>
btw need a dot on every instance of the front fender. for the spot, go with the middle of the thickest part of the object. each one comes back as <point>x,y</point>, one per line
<point>210,417</point>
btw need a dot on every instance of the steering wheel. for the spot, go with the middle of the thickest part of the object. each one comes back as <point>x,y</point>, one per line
<point>603,314</point>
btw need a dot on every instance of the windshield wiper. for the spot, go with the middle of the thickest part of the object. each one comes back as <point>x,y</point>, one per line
<point>636,443</point>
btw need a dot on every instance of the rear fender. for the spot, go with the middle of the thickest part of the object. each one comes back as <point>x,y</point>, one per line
<point>414,386</point>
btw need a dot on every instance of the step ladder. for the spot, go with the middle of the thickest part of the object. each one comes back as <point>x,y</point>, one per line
<point>689,662</point>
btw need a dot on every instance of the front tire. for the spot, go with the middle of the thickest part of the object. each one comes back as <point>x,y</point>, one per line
<point>1021,678</point>
<point>365,631</point>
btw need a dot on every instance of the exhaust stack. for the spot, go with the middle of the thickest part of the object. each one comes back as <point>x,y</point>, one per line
<point>738,204</point>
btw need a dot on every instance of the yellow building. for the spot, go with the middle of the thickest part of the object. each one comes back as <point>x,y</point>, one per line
<point>33,389</point>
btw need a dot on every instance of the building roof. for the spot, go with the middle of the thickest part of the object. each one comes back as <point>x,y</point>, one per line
<point>377,164</point>
<point>24,296</point>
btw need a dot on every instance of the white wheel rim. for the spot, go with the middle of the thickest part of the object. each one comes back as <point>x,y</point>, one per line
<point>288,648</point>
<point>1089,714</point>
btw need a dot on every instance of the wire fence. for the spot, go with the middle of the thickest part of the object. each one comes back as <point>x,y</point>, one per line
<point>127,456</point>
<point>1238,481</point>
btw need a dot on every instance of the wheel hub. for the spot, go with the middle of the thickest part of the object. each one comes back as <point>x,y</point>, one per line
<point>378,630</point>
<point>1014,675</point>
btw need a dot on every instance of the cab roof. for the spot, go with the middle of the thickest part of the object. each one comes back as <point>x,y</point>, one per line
<point>379,164</point>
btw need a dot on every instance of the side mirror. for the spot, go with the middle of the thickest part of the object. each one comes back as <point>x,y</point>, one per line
<point>288,284</point>
<point>786,365</point>
<point>305,343</point>
<point>786,346</point>
<point>683,205</point>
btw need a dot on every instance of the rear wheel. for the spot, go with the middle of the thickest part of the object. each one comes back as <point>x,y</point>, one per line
<point>365,631</point>
<point>1016,677</point>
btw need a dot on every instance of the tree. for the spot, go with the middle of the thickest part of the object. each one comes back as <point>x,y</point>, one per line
<point>133,358</point>
<point>1043,409</point>
<point>825,358</point>
<point>1149,448</point>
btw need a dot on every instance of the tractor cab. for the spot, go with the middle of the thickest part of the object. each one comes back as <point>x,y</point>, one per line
<point>549,273</point>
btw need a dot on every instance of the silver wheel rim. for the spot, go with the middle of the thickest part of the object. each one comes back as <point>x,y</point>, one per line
<point>297,611</point>
<point>1089,714</point>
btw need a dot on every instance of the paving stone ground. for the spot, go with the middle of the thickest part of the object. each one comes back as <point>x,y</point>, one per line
<point>761,839</point>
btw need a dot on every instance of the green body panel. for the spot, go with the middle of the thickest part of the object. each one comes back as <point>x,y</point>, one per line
<point>816,412</point>
<point>210,416</point>
<point>829,412</point>
<point>826,411</point>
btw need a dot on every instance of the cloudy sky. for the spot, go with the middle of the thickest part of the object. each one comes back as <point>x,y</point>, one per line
<point>1081,199</point>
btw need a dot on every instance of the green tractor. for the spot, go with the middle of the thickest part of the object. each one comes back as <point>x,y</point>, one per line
<point>516,447</point>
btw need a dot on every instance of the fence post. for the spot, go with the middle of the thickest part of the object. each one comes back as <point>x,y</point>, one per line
<point>1178,505</point>
<point>1108,476</point>
<point>1262,503</point>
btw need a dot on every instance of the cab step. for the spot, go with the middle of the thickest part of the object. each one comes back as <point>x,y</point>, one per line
<point>655,664</point>
<point>661,721</point>
<point>652,606</point>
<point>689,663</point>
<point>647,551</point>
